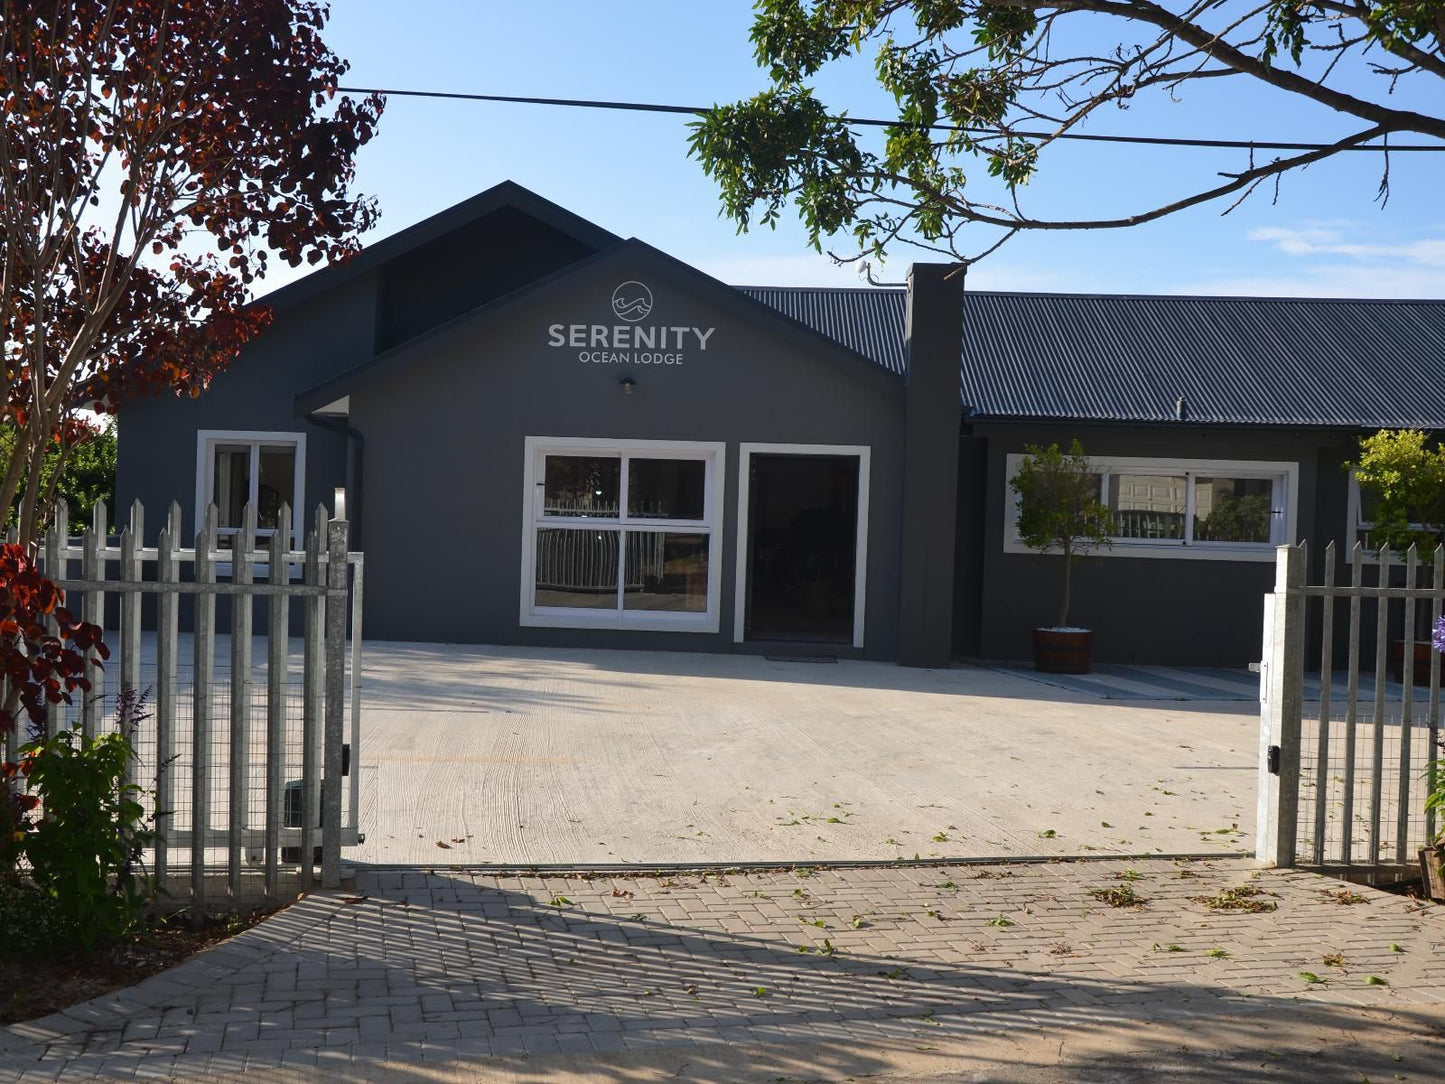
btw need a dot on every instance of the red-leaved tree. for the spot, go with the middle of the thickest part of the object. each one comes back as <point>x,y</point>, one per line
<point>153,153</point>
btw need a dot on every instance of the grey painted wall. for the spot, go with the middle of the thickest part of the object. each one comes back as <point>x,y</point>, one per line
<point>1146,610</point>
<point>305,345</point>
<point>445,447</point>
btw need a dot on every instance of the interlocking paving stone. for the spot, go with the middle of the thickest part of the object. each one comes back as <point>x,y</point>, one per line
<point>479,965</point>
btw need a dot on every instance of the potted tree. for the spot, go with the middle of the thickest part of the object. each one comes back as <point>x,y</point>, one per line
<point>1059,509</point>
<point>1401,475</point>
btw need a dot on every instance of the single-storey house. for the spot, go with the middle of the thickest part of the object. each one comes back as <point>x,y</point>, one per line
<point>548,434</point>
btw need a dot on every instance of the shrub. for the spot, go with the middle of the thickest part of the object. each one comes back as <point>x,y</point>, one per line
<point>84,854</point>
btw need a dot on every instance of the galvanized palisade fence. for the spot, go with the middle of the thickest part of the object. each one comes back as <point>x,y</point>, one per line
<point>211,765</point>
<point>1342,770</point>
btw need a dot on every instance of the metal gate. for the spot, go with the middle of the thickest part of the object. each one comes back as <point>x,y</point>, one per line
<point>1345,749</point>
<point>245,758</point>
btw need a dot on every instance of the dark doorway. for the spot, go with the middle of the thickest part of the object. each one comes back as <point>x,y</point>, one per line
<point>801,543</point>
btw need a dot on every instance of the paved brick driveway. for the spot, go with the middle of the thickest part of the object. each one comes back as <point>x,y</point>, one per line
<point>414,976</point>
<point>511,755</point>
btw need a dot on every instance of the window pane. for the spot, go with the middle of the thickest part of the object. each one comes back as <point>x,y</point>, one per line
<point>666,488</point>
<point>231,483</point>
<point>275,486</point>
<point>582,485</point>
<point>1147,505</point>
<point>1369,503</point>
<point>576,568</point>
<point>666,571</point>
<point>1233,509</point>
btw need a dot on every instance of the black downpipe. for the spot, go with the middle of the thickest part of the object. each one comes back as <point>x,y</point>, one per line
<point>355,460</point>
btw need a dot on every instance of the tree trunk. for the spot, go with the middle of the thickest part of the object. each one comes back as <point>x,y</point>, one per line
<point>1068,585</point>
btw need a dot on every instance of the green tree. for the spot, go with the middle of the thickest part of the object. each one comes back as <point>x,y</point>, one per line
<point>154,154</point>
<point>1403,472</point>
<point>1059,508</point>
<point>79,468</point>
<point>973,79</point>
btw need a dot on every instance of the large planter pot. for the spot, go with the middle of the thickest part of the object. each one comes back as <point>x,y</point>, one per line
<point>1432,871</point>
<point>1063,651</point>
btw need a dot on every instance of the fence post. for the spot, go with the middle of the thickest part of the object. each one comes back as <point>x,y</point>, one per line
<point>167,612</point>
<point>278,631</point>
<point>1282,680</point>
<point>93,612</point>
<point>131,541</point>
<point>238,821</point>
<point>313,691</point>
<point>204,643</point>
<point>335,703</point>
<point>56,568</point>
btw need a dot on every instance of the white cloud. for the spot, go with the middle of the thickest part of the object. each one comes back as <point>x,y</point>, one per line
<point>1314,241</point>
<point>1335,258</point>
<point>1327,280</point>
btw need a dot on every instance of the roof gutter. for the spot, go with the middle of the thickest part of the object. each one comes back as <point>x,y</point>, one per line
<point>355,461</point>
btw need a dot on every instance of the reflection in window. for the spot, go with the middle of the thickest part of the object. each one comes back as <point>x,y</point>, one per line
<point>231,487</point>
<point>582,485</point>
<point>1148,505</point>
<point>576,568</point>
<point>1233,509</point>
<point>260,472</point>
<point>666,488</point>
<point>666,571</point>
<point>274,486</point>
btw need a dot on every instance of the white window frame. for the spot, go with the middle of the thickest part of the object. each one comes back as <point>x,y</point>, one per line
<point>864,454</point>
<point>536,450</point>
<point>206,441</point>
<point>1285,476</point>
<point>1355,523</point>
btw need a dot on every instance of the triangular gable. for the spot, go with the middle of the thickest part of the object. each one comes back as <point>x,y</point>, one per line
<point>632,252</point>
<point>376,255</point>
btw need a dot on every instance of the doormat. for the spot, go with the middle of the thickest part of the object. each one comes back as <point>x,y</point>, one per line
<point>801,658</point>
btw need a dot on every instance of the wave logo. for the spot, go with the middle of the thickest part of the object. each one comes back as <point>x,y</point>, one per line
<point>632,301</point>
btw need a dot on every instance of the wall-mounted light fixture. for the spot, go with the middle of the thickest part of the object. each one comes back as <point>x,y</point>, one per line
<point>627,384</point>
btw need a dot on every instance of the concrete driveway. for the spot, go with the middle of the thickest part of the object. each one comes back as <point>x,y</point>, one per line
<point>524,755</point>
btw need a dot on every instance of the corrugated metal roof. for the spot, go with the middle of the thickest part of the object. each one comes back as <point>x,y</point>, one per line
<point>867,321</point>
<point>1233,360</point>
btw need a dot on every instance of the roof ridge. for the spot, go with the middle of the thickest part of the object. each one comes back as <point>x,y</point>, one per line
<point>1276,298</point>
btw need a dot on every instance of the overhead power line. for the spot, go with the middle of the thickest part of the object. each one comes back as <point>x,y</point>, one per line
<point>872,122</point>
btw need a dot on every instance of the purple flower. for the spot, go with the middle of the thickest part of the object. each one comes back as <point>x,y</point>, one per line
<point>1438,640</point>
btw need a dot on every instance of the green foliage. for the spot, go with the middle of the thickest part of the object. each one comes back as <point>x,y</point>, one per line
<point>1058,497</point>
<point>1434,804</point>
<point>1405,472</point>
<point>993,84</point>
<point>1059,508</point>
<point>84,853</point>
<point>29,925</point>
<point>87,470</point>
<point>1236,519</point>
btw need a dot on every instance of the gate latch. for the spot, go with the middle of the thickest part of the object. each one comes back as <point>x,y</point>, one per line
<point>1271,760</point>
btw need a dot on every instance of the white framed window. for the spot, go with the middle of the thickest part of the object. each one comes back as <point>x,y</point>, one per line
<point>621,534</point>
<point>239,467</point>
<point>1199,509</point>
<point>1360,524</point>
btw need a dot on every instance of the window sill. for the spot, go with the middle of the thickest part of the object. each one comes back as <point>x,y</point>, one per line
<point>654,622</point>
<point>1173,551</point>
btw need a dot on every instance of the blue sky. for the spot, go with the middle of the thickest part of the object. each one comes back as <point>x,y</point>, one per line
<point>629,172</point>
